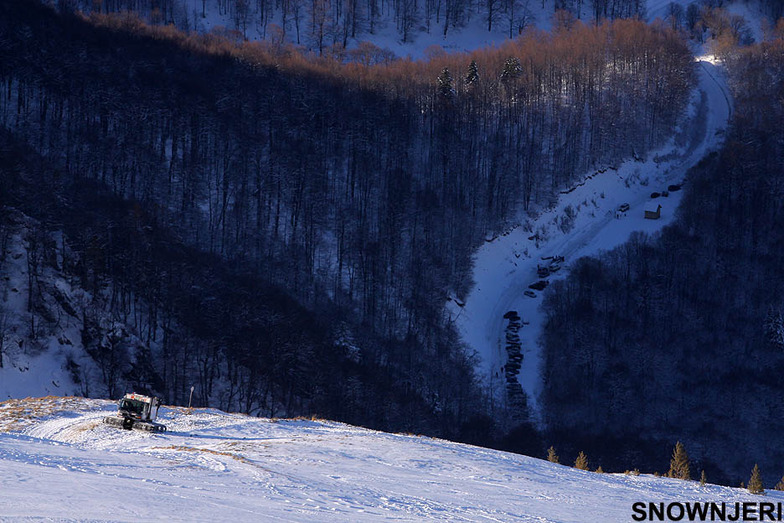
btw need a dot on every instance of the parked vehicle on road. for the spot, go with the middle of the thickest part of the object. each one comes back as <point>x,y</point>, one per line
<point>539,285</point>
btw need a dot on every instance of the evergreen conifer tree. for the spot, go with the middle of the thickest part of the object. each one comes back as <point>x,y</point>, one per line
<point>679,464</point>
<point>780,484</point>
<point>600,470</point>
<point>552,456</point>
<point>445,88</point>
<point>512,69</point>
<point>755,482</point>
<point>473,73</point>
<point>703,479</point>
<point>581,462</point>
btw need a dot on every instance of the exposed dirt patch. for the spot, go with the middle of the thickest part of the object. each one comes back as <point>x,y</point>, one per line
<point>18,414</point>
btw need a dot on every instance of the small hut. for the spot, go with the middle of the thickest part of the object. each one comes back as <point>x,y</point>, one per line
<point>652,210</point>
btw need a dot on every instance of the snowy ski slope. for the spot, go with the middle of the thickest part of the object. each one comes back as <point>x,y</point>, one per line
<point>60,463</point>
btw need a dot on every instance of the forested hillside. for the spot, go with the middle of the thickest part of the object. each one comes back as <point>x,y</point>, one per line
<point>154,315</point>
<point>283,230</point>
<point>680,337</point>
<point>326,27</point>
<point>337,27</point>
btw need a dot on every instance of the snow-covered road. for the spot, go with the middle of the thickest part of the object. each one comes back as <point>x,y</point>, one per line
<point>505,267</point>
<point>213,466</point>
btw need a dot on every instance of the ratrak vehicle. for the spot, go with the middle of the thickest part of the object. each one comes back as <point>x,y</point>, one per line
<point>136,411</point>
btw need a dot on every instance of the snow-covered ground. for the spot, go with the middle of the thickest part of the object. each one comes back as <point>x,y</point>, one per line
<point>504,267</point>
<point>43,347</point>
<point>34,351</point>
<point>474,34</point>
<point>60,463</point>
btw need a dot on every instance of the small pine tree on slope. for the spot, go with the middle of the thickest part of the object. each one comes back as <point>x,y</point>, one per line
<point>755,482</point>
<point>679,464</point>
<point>581,462</point>
<point>780,484</point>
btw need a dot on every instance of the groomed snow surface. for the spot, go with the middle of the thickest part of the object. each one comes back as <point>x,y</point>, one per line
<point>59,462</point>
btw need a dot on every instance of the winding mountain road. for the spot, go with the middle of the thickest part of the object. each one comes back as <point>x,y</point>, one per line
<point>505,267</point>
